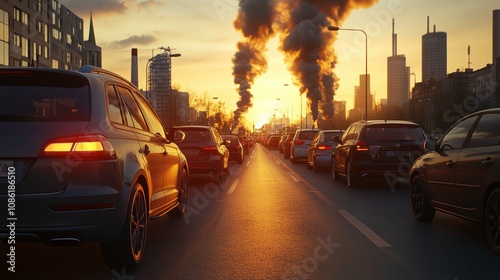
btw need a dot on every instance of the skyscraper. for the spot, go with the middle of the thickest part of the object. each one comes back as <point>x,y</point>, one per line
<point>398,76</point>
<point>434,55</point>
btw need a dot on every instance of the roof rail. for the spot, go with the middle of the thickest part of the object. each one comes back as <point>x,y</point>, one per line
<point>100,71</point>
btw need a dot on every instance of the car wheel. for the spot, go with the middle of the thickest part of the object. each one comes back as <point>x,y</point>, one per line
<point>181,209</point>
<point>315,167</point>
<point>129,250</point>
<point>492,220</point>
<point>420,204</point>
<point>335,174</point>
<point>351,179</point>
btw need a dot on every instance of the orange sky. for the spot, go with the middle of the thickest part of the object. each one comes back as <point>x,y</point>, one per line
<point>202,32</point>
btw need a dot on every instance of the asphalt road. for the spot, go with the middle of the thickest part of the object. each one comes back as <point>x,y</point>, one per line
<point>275,220</point>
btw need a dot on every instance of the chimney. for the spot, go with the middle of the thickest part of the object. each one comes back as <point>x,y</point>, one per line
<point>134,71</point>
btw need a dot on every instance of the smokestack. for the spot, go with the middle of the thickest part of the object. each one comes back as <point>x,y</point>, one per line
<point>134,71</point>
<point>427,24</point>
<point>496,37</point>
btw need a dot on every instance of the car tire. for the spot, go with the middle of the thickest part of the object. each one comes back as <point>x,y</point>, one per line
<point>315,167</point>
<point>309,166</point>
<point>181,209</point>
<point>351,179</point>
<point>420,203</point>
<point>335,174</point>
<point>129,250</point>
<point>492,220</point>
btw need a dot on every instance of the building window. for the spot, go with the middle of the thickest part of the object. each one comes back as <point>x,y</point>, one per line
<point>57,34</point>
<point>55,64</point>
<point>21,16</point>
<point>24,46</point>
<point>69,39</point>
<point>4,38</point>
<point>69,57</point>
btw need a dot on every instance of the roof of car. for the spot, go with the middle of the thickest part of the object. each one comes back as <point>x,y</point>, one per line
<point>370,122</point>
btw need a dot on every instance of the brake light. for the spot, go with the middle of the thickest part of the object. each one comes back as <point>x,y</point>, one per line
<point>85,147</point>
<point>361,146</point>
<point>299,142</point>
<point>209,148</point>
<point>324,147</point>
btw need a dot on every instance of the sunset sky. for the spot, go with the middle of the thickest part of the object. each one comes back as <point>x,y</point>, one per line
<point>203,33</point>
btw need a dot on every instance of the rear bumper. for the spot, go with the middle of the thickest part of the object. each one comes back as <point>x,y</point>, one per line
<point>393,170</point>
<point>78,214</point>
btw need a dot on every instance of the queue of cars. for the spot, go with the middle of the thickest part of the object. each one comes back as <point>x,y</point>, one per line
<point>459,174</point>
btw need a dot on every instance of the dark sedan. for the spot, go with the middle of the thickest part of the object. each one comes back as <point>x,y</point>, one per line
<point>235,147</point>
<point>461,174</point>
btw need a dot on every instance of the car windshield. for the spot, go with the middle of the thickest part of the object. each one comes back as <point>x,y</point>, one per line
<point>397,132</point>
<point>44,104</point>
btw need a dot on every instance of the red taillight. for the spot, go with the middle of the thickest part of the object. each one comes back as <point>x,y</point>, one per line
<point>361,146</point>
<point>324,147</point>
<point>85,147</point>
<point>209,148</point>
<point>299,142</point>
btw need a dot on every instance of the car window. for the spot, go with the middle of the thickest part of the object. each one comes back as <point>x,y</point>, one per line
<point>392,132</point>
<point>329,136</point>
<point>44,103</point>
<point>487,131</point>
<point>114,106</point>
<point>154,123</point>
<point>195,135</point>
<point>138,120</point>
<point>346,134</point>
<point>307,135</point>
<point>353,133</point>
<point>455,137</point>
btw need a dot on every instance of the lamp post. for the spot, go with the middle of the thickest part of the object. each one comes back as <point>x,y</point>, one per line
<point>335,28</point>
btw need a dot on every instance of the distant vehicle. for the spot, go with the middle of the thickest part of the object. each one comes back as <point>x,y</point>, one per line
<point>319,153</point>
<point>273,142</point>
<point>204,149</point>
<point>236,149</point>
<point>461,174</point>
<point>287,145</point>
<point>300,143</point>
<point>92,161</point>
<point>246,142</point>
<point>377,150</point>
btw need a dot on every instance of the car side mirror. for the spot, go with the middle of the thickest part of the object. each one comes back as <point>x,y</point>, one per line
<point>226,142</point>
<point>430,145</point>
<point>337,139</point>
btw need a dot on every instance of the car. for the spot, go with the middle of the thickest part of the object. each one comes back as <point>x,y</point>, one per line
<point>319,153</point>
<point>300,143</point>
<point>460,174</point>
<point>90,161</point>
<point>377,150</point>
<point>282,143</point>
<point>287,145</point>
<point>204,149</point>
<point>273,142</point>
<point>235,147</point>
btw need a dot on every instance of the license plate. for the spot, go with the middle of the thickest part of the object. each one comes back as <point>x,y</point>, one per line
<point>190,152</point>
<point>4,167</point>
<point>397,153</point>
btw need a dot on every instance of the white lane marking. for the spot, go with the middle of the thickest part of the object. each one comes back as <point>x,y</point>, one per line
<point>293,177</point>
<point>233,186</point>
<point>248,163</point>
<point>377,240</point>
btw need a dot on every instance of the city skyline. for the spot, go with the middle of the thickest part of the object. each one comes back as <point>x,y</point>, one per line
<point>204,34</point>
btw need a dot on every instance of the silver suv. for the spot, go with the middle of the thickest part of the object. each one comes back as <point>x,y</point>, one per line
<point>300,143</point>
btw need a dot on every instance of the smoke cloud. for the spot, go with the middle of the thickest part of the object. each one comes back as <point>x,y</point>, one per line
<point>305,42</point>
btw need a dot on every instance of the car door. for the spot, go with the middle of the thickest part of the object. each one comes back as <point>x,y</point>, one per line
<point>342,149</point>
<point>476,162</point>
<point>442,167</point>
<point>312,148</point>
<point>151,146</point>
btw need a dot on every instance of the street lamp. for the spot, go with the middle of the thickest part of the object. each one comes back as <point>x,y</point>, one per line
<point>335,28</point>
